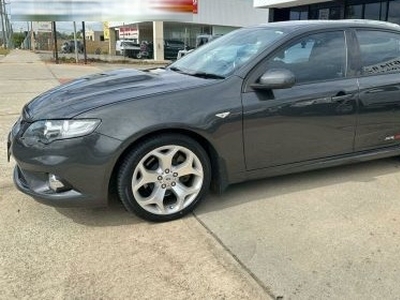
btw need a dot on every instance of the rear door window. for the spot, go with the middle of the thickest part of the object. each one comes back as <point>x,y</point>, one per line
<point>379,52</point>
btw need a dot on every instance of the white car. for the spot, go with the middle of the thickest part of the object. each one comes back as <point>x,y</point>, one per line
<point>122,45</point>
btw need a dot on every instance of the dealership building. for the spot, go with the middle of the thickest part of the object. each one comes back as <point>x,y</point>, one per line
<point>222,16</point>
<point>283,10</point>
<point>207,17</point>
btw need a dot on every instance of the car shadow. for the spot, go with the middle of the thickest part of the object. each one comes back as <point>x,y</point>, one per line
<point>264,189</point>
<point>238,194</point>
<point>114,214</point>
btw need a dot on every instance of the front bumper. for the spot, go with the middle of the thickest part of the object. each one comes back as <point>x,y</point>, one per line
<point>83,165</point>
<point>39,190</point>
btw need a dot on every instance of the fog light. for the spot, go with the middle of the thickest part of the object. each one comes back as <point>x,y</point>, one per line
<point>55,183</point>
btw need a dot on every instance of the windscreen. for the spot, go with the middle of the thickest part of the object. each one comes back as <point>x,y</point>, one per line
<point>224,55</point>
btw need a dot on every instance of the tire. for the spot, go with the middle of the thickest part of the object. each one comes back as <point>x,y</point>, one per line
<point>164,178</point>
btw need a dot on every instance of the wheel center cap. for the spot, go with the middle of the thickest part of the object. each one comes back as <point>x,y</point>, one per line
<point>168,180</point>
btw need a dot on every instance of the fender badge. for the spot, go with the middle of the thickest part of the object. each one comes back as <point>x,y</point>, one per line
<point>392,137</point>
<point>223,115</point>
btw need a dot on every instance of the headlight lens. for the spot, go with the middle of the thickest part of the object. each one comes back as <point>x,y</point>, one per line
<point>47,131</point>
<point>17,126</point>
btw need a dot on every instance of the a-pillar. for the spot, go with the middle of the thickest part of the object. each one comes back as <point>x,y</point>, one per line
<point>158,40</point>
<point>112,41</point>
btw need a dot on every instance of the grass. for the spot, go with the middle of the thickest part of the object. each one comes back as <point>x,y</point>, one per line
<point>4,51</point>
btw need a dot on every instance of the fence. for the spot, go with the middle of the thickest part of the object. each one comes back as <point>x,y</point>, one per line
<point>45,43</point>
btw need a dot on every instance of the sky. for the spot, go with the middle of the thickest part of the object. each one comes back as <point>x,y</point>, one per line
<point>64,27</point>
<point>100,10</point>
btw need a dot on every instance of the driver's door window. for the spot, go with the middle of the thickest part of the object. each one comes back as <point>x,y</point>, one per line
<point>320,56</point>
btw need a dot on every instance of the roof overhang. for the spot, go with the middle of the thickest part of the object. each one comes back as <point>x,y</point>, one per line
<point>284,3</point>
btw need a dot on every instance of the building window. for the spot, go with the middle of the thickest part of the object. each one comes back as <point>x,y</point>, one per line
<point>394,11</point>
<point>354,11</point>
<point>334,13</point>
<point>299,13</point>
<point>324,12</point>
<point>372,11</point>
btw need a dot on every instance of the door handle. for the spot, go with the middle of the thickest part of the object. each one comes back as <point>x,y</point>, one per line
<point>341,98</point>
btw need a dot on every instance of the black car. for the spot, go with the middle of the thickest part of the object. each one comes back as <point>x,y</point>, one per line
<point>69,47</point>
<point>261,101</point>
<point>171,49</point>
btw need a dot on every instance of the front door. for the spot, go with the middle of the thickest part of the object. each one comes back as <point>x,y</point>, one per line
<point>315,118</point>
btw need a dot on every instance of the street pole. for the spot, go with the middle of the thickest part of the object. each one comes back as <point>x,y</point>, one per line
<point>55,50</point>
<point>76,44</point>
<point>28,41</point>
<point>32,38</point>
<point>84,42</point>
<point>9,30</point>
<point>3,23</point>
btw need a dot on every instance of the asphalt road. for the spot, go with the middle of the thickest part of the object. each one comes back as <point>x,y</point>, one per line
<point>328,234</point>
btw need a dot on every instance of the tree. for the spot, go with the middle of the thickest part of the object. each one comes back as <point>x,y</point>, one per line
<point>18,38</point>
<point>78,35</point>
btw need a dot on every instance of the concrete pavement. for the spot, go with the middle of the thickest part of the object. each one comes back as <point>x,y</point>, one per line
<point>48,253</point>
<point>328,234</point>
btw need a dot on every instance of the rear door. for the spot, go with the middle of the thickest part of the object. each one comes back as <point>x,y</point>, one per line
<point>379,107</point>
<point>313,119</point>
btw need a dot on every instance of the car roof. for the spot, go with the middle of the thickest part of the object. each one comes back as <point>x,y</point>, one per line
<point>315,24</point>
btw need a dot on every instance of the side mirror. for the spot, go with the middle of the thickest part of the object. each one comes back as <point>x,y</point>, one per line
<point>275,79</point>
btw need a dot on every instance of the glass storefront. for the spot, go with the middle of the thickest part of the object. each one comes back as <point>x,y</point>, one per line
<point>299,13</point>
<point>372,11</point>
<point>183,32</point>
<point>375,11</point>
<point>354,11</point>
<point>394,12</point>
<point>186,33</point>
<point>350,9</point>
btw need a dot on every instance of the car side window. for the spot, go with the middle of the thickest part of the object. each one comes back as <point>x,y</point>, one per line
<point>320,56</point>
<point>379,51</point>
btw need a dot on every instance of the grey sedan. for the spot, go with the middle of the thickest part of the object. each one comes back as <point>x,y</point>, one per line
<point>261,101</point>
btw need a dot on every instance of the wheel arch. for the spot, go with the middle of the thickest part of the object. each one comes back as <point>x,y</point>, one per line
<point>218,168</point>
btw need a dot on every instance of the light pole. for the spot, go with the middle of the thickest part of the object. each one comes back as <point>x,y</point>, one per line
<point>9,30</point>
<point>2,16</point>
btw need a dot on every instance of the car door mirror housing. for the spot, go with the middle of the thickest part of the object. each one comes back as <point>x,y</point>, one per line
<point>275,79</point>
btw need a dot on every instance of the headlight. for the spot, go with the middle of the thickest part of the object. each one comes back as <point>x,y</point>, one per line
<point>17,126</point>
<point>47,131</point>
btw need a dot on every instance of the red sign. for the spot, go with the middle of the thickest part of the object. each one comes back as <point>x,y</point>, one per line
<point>177,6</point>
<point>195,10</point>
<point>128,33</point>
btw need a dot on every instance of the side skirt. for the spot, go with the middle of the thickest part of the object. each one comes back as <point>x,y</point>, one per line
<point>317,164</point>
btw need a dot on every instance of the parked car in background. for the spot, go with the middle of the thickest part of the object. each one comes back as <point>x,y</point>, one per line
<point>200,40</point>
<point>132,49</point>
<point>127,48</point>
<point>69,47</point>
<point>262,101</point>
<point>171,49</point>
